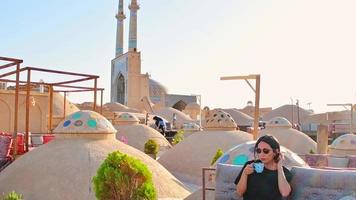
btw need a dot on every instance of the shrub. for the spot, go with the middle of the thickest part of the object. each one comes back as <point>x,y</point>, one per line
<point>13,196</point>
<point>178,137</point>
<point>123,177</point>
<point>311,151</point>
<point>218,154</point>
<point>151,147</point>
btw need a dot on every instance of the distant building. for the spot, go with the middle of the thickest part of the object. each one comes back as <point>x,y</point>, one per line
<point>128,85</point>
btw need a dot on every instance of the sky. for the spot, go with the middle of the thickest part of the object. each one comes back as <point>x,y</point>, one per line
<point>303,49</point>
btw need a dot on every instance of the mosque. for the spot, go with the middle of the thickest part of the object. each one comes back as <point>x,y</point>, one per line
<point>128,85</point>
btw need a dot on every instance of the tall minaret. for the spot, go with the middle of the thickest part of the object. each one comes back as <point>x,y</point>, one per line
<point>133,25</point>
<point>120,29</point>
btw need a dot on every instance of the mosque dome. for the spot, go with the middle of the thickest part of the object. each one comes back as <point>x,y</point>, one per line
<point>186,158</point>
<point>279,122</point>
<point>64,167</point>
<point>219,120</point>
<point>156,90</point>
<point>126,118</point>
<point>241,153</point>
<point>85,121</point>
<point>296,141</point>
<point>344,142</point>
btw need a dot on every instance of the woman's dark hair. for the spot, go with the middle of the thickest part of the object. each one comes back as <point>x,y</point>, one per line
<point>269,139</point>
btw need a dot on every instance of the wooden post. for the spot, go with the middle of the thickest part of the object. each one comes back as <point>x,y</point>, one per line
<point>322,139</point>
<point>101,102</point>
<point>50,110</point>
<point>14,135</point>
<point>27,129</point>
<point>95,84</point>
<point>257,108</point>
<point>64,105</point>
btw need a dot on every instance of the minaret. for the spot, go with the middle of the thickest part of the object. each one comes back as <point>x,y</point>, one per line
<point>120,29</point>
<point>133,25</point>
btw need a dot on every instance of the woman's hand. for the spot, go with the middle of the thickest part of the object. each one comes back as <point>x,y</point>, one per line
<point>280,161</point>
<point>248,169</point>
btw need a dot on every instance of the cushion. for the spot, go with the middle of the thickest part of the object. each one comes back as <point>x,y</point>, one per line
<point>312,183</point>
<point>352,161</point>
<point>5,144</point>
<point>316,160</point>
<point>225,188</point>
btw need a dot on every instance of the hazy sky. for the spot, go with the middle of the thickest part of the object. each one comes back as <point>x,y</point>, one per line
<point>303,49</point>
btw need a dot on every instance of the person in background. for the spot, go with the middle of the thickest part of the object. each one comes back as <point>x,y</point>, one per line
<point>265,178</point>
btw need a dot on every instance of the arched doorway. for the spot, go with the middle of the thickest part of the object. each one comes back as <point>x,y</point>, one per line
<point>121,89</point>
<point>180,105</point>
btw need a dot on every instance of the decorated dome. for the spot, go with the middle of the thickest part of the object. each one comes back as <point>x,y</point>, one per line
<point>126,118</point>
<point>85,121</point>
<point>347,142</point>
<point>219,120</point>
<point>240,154</point>
<point>279,122</point>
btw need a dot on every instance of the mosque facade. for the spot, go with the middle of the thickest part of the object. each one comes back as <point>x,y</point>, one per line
<point>128,85</point>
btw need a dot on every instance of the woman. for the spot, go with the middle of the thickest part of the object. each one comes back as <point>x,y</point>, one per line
<point>270,184</point>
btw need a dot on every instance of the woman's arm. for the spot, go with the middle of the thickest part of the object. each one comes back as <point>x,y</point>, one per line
<point>283,185</point>
<point>241,186</point>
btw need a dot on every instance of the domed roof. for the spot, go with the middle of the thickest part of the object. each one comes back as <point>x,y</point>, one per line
<point>118,107</point>
<point>186,159</point>
<point>219,120</point>
<point>346,142</point>
<point>58,101</point>
<point>167,113</point>
<point>85,121</point>
<point>241,153</point>
<point>239,117</point>
<point>66,166</point>
<point>156,88</point>
<point>136,135</point>
<point>192,106</point>
<point>126,118</point>
<point>296,141</point>
<point>279,122</point>
<point>286,111</point>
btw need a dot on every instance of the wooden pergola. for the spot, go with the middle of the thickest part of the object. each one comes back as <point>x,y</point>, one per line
<point>64,85</point>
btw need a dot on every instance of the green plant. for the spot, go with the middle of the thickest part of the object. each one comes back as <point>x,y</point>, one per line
<point>123,177</point>
<point>218,154</point>
<point>13,196</point>
<point>178,137</point>
<point>151,147</point>
<point>311,151</point>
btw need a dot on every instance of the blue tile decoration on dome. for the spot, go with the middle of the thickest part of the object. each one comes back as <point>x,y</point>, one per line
<point>76,115</point>
<point>91,123</point>
<point>66,123</point>
<point>224,159</point>
<point>240,159</point>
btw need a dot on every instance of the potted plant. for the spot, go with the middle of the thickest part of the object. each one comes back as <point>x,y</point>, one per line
<point>151,148</point>
<point>13,196</point>
<point>123,177</point>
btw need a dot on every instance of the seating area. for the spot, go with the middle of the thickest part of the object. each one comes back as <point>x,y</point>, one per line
<point>7,145</point>
<point>307,183</point>
<point>330,161</point>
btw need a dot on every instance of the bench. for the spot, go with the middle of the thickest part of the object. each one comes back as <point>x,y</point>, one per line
<point>307,183</point>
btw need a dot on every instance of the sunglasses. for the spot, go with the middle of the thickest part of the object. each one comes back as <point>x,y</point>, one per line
<point>264,150</point>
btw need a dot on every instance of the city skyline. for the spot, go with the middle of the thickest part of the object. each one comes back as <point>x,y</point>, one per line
<point>303,50</point>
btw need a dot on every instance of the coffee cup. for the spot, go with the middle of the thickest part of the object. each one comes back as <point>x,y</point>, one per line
<point>258,166</point>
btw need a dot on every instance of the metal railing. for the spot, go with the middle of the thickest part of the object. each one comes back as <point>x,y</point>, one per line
<point>204,169</point>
